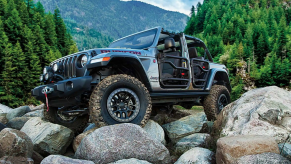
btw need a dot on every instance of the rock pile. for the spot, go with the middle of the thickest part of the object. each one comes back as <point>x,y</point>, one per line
<point>247,131</point>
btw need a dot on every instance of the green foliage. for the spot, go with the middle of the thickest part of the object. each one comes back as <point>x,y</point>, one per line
<point>255,40</point>
<point>30,39</point>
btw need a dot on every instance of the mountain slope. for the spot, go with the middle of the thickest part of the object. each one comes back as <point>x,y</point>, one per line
<point>117,18</point>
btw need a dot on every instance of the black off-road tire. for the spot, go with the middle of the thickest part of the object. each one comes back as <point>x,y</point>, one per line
<point>211,102</point>
<point>77,125</point>
<point>98,101</point>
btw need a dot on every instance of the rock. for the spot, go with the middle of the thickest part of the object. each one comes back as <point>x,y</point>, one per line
<point>263,111</point>
<point>48,138</point>
<point>189,142</point>
<point>15,143</point>
<point>17,122</point>
<point>130,161</point>
<point>15,160</point>
<point>37,158</point>
<point>5,109</point>
<point>63,160</point>
<point>18,112</point>
<point>230,148</point>
<point>3,118</point>
<point>155,131</point>
<point>80,137</point>
<point>286,151</point>
<point>39,107</point>
<point>185,126</point>
<point>2,126</point>
<point>91,126</point>
<point>37,113</point>
<point>197,155</point>
<point>121,141</point>
<point>263,158</point>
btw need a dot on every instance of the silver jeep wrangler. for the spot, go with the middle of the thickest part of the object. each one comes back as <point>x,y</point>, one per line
<point>122,83</point>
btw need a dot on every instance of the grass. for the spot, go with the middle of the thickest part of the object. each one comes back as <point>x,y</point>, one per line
<point>199,108</point>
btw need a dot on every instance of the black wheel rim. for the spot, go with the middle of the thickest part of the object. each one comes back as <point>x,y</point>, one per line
<point>123,105</point>
<point>222,102</point>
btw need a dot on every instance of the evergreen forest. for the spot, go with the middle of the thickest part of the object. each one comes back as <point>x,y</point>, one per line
<point>251,37</point>
<point>30,40</point>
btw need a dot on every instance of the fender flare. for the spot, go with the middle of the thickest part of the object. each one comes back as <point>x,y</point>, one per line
<point>220,75</point>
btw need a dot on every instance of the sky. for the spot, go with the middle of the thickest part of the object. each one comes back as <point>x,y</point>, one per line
<point>182,6</point>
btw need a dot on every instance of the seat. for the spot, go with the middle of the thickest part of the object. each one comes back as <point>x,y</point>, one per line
<point>168,71</point>
<point>194,55</point>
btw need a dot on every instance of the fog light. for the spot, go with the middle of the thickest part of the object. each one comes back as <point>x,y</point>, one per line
<point>41,78</point>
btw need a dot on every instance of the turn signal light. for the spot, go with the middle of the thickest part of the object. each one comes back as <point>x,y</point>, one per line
<point>106,59</point>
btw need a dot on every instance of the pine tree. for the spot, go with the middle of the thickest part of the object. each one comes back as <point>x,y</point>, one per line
<point>282,39</point>
<point>61,32</point>
<point>13,27</point>
<point>3,8</point>
<point>50,31</point>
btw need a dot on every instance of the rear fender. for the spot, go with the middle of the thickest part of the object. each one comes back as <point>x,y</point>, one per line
<point>218,76</point>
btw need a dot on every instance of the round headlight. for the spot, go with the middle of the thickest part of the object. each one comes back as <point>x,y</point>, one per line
<point>41,78</point>
<point>46,76</point>
<point>44,70</point>
<point>84,60</point>
<point>55,67</point>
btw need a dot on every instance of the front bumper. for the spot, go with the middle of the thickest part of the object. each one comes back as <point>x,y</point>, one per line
<point>63,90</point>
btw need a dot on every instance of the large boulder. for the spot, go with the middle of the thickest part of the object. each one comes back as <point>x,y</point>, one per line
<point>155,131</point>
<point>37,113</point>
<point>263,158</point>
<point>80,137</point>
<point>5,109</point>
<point>189,142</point>
<point>130,161</point>
<point>197,155</point>
<point>15,160</point>
<point>48,138</point>
<point>3,118</point>
<point>15,143</point>
<point>39,107</point>
<point>18,112</point>
<point>231,148</point>
<point>121,141</point>
<point>285,150</point>
<point>263,111</point>
<point>17,122</point>
<point>185,126</point>
<point>63,160</point>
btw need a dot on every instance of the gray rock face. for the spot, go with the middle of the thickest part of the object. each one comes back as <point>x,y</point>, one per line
<point>18,112</point>
<point>15,143</point>
<point>48,138</point>
<point>155,131</point>
<point>39,107</point>
<point>17,122</point>
<point>268,158</point>
<point>285,150</point>
<point>5,109</point>
<point>263,111</point>
<point>197,155</point>
<point>37,113</point>
<point>62,160</point>
<point>130,161</point>
<point>15,160</point>
<point>80,137</point>
<point>121,141</point>
<point>91,126</point>
<point>189,142</point>
<point>3,118</point>
<point>185,126</point>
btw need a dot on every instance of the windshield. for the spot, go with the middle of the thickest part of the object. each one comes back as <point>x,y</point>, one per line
<point>137,41</point>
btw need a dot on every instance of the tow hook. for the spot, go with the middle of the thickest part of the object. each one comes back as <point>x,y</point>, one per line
<point>47,90</point>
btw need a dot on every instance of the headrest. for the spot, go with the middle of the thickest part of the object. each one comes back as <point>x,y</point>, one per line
<point>169,43</point>
<point>192,52</point>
